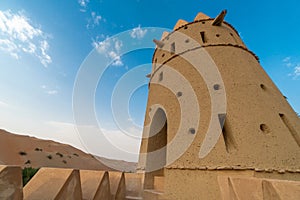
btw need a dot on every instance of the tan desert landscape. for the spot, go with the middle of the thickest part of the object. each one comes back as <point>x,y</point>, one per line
<point>28,151</point>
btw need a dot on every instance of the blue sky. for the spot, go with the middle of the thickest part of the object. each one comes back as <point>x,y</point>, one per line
<point>44,43</point>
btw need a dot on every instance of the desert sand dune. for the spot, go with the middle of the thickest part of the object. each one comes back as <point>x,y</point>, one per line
<point>28,151</point>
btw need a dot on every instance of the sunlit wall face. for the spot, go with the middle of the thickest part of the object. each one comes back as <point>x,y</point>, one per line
<point>43,44</point>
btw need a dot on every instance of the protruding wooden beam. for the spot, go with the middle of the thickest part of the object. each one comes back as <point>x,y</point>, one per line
<point>159,43</point>
<point>180,23</point>
<point>220,18</point>
<point>201,16</point>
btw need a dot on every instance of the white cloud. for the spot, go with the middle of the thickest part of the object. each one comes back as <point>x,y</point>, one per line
<point>138,32</point>
<point>288,62</point>
<point>83,3</point>
<point>286,59</point>
<point>49,91</point>
<point>19,35</point>
<point>9,47</point>
<point>102,46</point>
<point>297,71</point>
<point>44,58</point>
<point>118,45</point>
<point>96,18</point>
<point>31,48</point>
<point>111,49</point>
<point>116,58</point>
<point>52,92</point>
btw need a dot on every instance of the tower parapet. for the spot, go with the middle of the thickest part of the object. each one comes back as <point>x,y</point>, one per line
<point>203,32</point>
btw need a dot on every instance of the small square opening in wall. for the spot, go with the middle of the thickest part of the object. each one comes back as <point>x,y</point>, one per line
<point>179,94</point>
<point>264,128</point>
<point>262,86</point>
<point>216,86</point>
<point>192,131</point>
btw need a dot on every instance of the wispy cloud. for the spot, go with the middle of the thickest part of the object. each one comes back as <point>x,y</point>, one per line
<point>52,92</point>
<point>297,71</point>
<point>83,4</point>
<point>287,61</point>
<point>3,104</point>
<point>19,35</point>
<point>138,32</point>
<point>96,18</point>
<point>290,63</point>
<point>111,49</point>
<point>49,91</point>
<point>93,20</point>
<point>6,105</point>
<point>10,47</point>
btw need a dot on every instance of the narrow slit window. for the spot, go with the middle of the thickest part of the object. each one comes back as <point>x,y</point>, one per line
<point>161,76</point>
<point>230,143</point>
<point>291,128</point>
<point>203,38</point>
<point>224,132</point>
<point>173,48</point>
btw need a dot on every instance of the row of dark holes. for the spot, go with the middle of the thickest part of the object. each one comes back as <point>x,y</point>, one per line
<point>203,38</point>
<point>263,127</point>
<point>186,27</point>
<point>216,86</point>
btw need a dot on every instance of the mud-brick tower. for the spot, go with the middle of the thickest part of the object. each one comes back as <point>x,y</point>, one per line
<point>213,112</point>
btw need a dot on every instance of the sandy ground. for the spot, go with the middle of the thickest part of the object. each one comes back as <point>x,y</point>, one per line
<point>28,151</point>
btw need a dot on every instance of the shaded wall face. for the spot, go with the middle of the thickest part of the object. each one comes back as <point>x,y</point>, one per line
<point>157,141</point>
